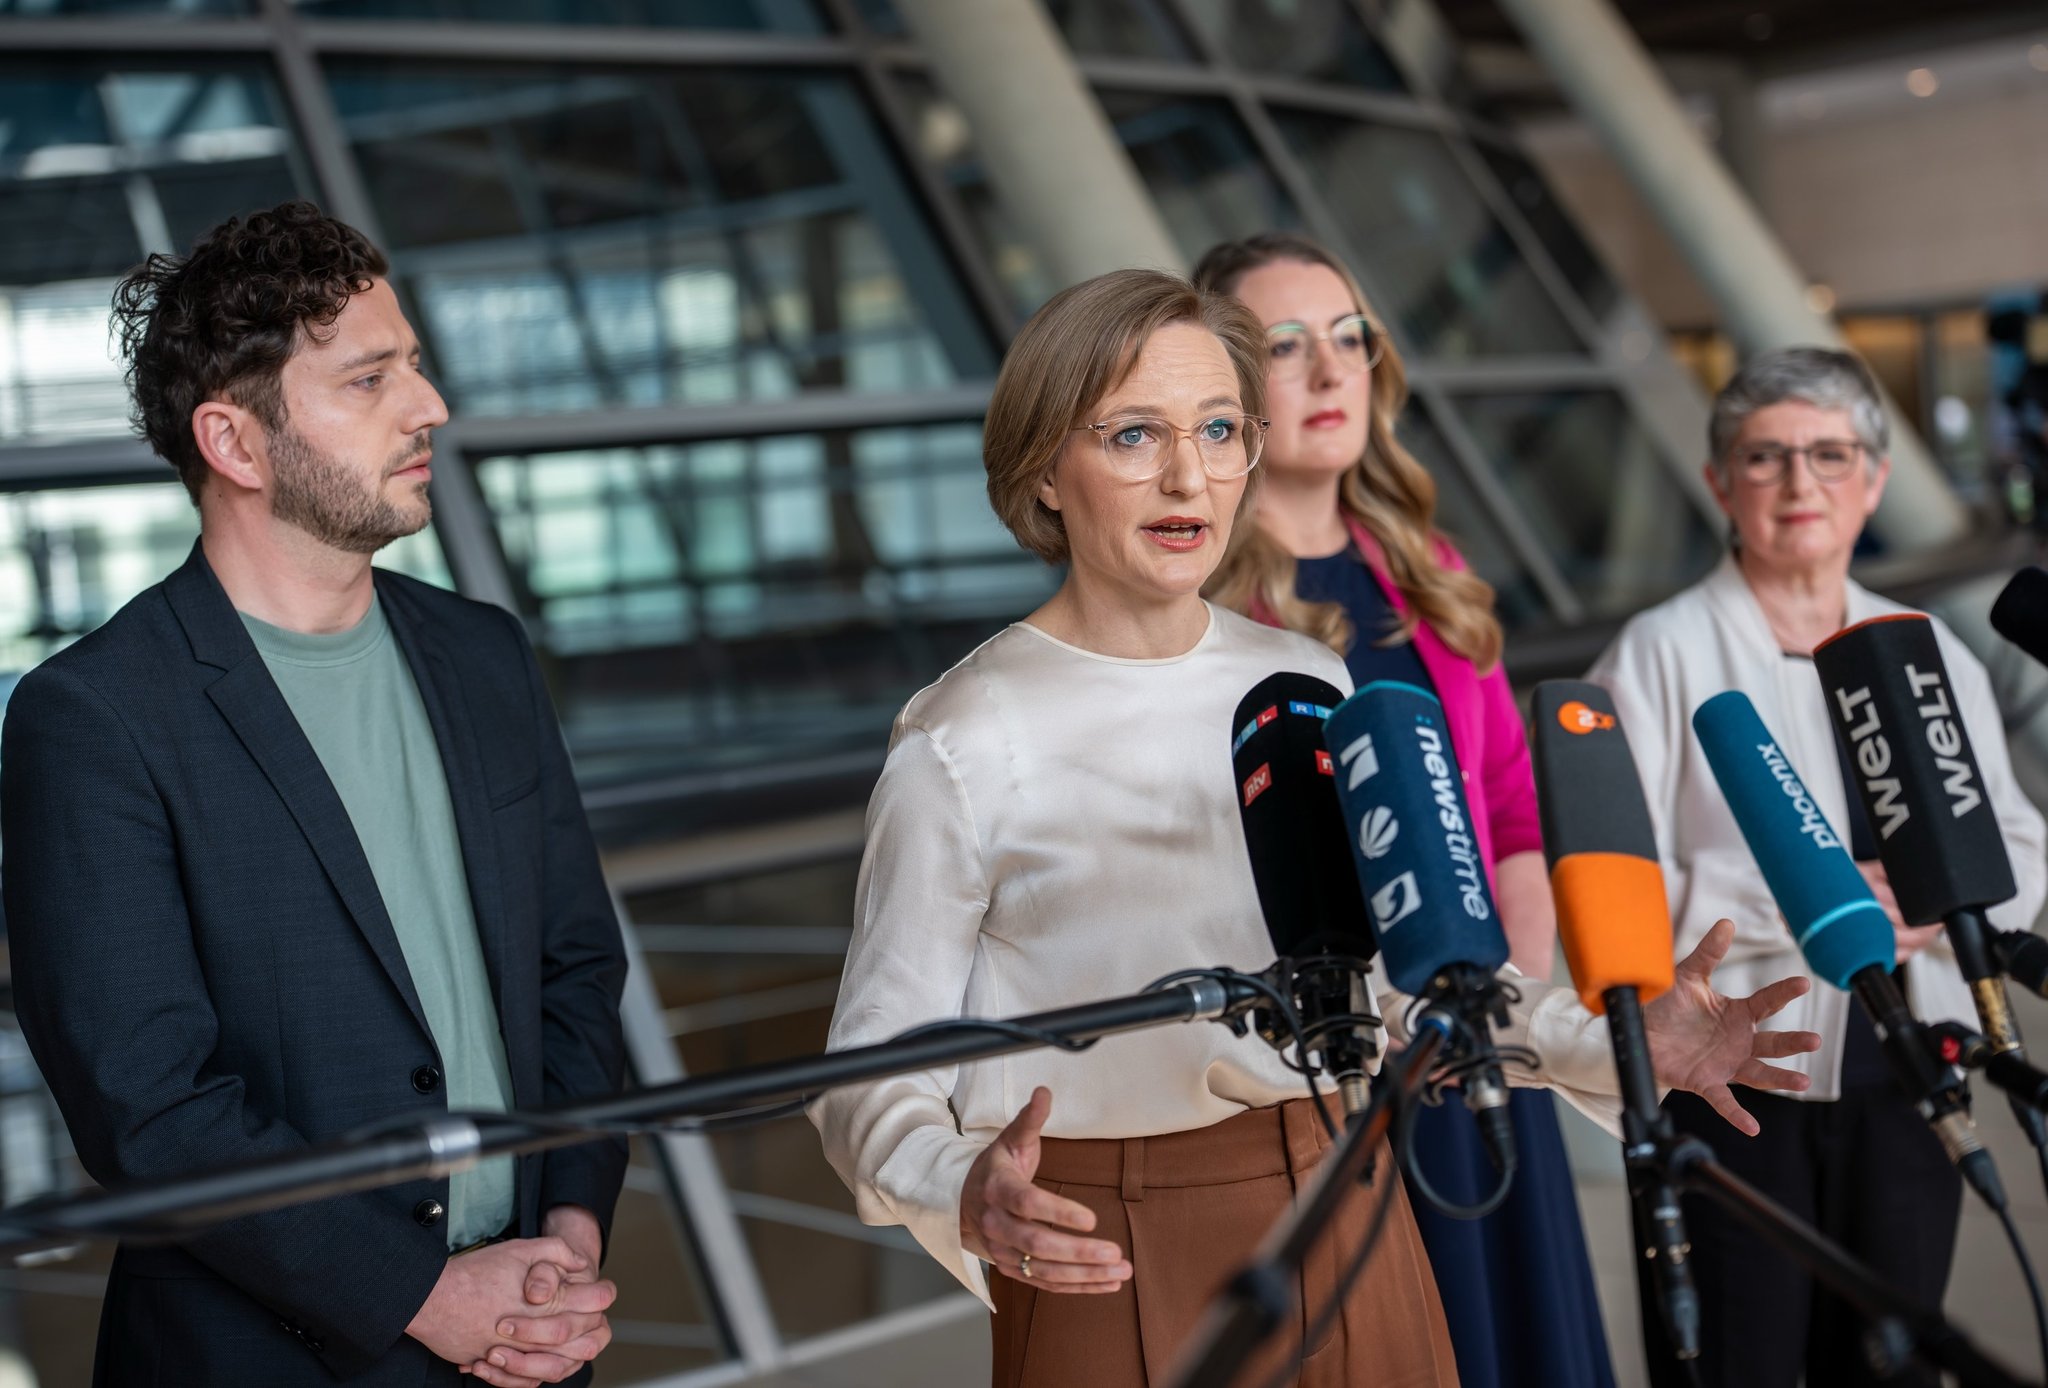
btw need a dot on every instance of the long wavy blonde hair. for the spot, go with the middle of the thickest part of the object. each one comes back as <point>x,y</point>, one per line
<point>1387,491</point>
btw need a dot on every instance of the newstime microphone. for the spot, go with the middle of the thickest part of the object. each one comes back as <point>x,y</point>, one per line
<point>1418,859</point>
<point>1839,927</point>
<point>1308,891</point>
<point>1615,922</point>
<point>1896,718</point>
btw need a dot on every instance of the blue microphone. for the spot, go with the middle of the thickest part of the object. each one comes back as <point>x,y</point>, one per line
<point>1417,854</point>
<point>1838,925</point>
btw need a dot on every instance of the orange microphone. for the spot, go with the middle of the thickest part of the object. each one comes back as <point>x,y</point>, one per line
<point>1615,922</point>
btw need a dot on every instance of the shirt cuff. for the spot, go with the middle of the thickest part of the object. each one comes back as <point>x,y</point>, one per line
<point>921,1184</point>
<point>1574,1055</point>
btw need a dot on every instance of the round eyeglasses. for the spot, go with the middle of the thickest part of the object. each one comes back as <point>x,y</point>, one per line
<point>1830,460</point>
<point>1355,343</point>
<point>1140,447</point>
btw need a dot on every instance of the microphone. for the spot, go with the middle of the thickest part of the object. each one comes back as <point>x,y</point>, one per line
<point>1844,934</point>
<point>2021,613</point>
<point>1895,715</point>
<point>1615,922</point>
<point>1315,915</point>
<point>2023,956</point>
<point>1418,860</point>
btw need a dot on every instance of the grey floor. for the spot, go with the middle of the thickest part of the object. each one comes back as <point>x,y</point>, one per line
<point>1986,1295</point>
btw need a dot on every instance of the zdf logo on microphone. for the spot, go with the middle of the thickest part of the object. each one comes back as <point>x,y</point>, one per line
<point>1377,832</point>
<point>1581,718</point>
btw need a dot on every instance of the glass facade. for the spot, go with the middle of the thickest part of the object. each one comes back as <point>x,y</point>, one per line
<point>716,292</point>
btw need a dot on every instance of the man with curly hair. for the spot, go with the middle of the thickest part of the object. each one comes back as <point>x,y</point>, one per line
<point>293,846</point>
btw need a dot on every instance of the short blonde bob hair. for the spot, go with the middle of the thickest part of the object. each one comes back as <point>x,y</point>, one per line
<point>1074,351</point>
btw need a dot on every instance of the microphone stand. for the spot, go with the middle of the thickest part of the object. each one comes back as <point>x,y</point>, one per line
<point>1261,1296</point>
<point>1971,935</point>
<point>442,1143</point>
<point>1952,1043</point>
<point>1900,1326</point>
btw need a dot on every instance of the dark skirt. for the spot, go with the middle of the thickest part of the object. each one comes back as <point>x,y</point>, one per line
<point>1517,1286</point>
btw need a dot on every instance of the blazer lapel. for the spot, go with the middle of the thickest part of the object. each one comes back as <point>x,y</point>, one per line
<point>250,702</point>
<point>462,765</point>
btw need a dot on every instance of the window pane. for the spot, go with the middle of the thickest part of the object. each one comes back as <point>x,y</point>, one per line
<point>165,8</point>
<point>1597,493</point>
<point>1105,28</point>
<point>735,605</point>
<point>733,1005</point>
<point>1195,156</point>
<point>1553,226</point>
<point>72,558</point>
<point>97,168</point>
<point>1459,515</point>
<point>784,16</point>
<point>577,240</point>
<point>1457,284</point>
<point>1320,39</point>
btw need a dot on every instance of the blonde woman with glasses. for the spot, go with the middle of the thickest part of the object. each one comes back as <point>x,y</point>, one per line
<point>1346,549</point>
<point>1057,822</point>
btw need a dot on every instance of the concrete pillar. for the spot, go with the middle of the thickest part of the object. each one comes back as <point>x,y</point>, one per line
<point>1050,153</point>
<point>1613,84</point>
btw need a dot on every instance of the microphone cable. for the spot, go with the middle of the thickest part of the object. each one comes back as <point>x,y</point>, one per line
<point>2019,1251</point>
<point>1433,1096</point>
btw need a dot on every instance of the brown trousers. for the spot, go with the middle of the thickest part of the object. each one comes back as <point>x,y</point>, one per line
<point>1191,1208</point>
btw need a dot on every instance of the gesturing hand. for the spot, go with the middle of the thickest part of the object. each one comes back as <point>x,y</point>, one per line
<point>1003,1216</point>
<point>1703,1042</point>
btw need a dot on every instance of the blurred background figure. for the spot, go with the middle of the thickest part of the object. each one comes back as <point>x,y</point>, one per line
<point>716,293</point>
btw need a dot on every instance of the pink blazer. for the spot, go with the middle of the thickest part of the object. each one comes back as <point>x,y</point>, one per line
<point>1486,726</point>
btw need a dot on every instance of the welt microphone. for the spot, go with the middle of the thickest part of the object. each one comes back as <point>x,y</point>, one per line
<point>1889,694</point>
<point>1308,893</point>
<point>1418,858</point>
<point>1844,934</point>
<point>1615,921</point>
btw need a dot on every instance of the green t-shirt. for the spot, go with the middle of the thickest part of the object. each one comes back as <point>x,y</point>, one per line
<point>355,699</point>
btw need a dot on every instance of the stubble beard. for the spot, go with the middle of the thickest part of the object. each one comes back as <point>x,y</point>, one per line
<point>316,493</point>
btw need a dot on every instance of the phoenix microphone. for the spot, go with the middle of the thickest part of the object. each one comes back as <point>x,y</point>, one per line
<point>1844,934</point>
<point>1615,921</point>
<point>2021,613</point>
<point>1425,883</point>
<point>1895,714</point>
<point>1308,893</point>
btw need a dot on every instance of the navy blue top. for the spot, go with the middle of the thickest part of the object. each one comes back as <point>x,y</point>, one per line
<point>1345,577</point>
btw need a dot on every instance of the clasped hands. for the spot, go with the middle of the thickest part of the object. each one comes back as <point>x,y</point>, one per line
<point>1700,1040</point>
<point>523,1312</point>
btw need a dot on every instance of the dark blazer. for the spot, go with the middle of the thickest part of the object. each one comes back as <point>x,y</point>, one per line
<point>206,973</point>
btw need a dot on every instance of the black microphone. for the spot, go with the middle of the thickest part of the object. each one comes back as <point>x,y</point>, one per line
<point>1839,927</point>
<point>2021,613</point>
<point>1615,921</point>
<point>1426,888</point>
<point>1315,914</point>
<point>2023,956</point>
<point>1895,715</point>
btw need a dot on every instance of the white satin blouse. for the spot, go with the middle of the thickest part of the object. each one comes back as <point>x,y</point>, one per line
<point>1052,827</point>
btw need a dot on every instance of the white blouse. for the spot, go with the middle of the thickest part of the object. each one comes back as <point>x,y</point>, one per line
<point>1054,827</point>
<point>1712,637</point>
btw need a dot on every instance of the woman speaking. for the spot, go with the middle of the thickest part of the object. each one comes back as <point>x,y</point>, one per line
<point>1056,822</point>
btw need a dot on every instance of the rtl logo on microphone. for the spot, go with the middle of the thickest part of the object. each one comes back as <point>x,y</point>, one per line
<point>1258,783</point>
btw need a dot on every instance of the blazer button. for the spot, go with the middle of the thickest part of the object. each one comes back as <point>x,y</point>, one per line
<point>426,1079</point>
<point>428,1213</point>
